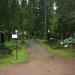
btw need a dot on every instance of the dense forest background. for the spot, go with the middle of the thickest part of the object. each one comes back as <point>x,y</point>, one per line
<point>36,17</point>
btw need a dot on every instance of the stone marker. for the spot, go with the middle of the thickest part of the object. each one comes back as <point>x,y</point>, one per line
<point>2,39</point>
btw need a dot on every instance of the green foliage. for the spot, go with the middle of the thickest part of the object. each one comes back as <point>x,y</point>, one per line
<point>69,41</point>
<point>66,16</point>
<point>32,16</point>
<point>10,44</point>
<point>54,24</point>
<point>23,56</point>
<point>67,53</point>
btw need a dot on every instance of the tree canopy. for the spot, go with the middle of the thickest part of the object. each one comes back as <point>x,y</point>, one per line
<point>37,16</point>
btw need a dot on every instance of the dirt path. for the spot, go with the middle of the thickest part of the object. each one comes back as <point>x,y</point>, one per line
<point>42,63</point>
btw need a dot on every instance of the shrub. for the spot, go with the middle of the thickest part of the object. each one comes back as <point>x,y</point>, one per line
<point>70,40</point>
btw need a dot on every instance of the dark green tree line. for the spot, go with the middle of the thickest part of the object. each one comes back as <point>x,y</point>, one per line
<point>37,16</point>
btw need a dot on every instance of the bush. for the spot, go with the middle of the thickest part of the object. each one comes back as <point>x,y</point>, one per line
<point>23,55</point>
<point>70,40</point>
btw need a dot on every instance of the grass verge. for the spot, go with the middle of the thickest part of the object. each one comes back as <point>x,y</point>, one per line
<point>67,53</point>
<point>23,56</point>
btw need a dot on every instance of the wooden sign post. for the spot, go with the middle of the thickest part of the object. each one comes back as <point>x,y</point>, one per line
<point>14,36</point>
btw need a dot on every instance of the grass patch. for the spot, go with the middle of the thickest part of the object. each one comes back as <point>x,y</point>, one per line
<point>67,53</point>
<point>23,56</point>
